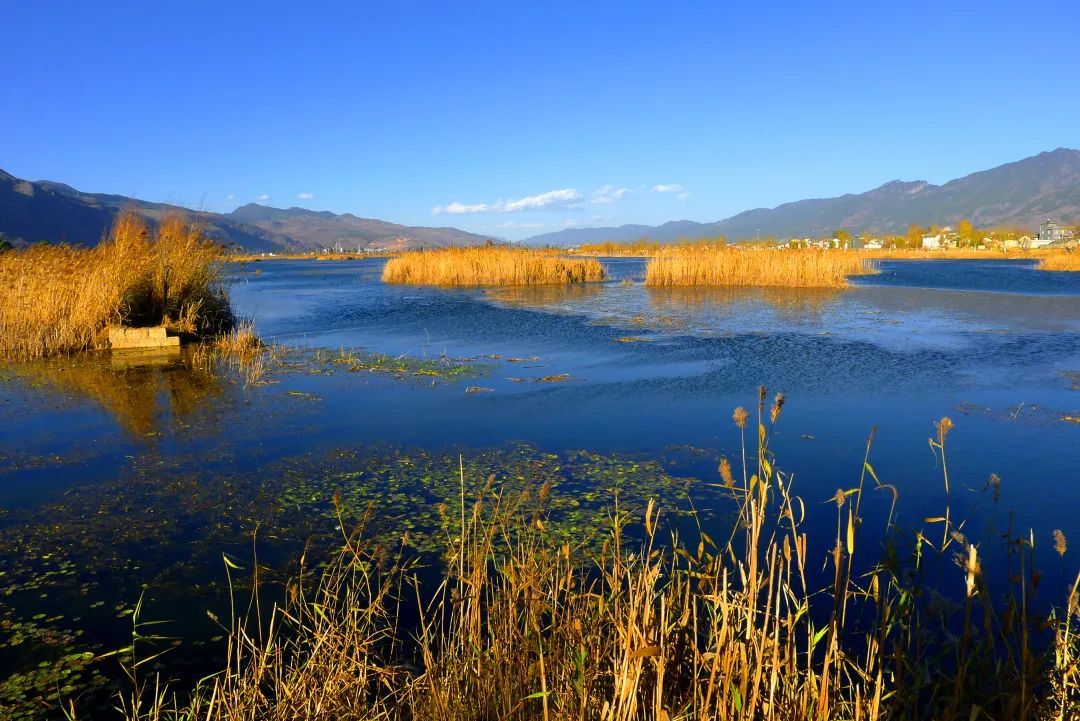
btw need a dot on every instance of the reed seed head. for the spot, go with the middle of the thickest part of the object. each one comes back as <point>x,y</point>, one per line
<point>1060,544</point>
<point>777,406</point>
<point>725,473</point>
<point>740,416</point>
<point>943,427</point>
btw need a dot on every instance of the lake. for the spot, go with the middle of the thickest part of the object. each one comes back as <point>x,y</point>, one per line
<point>129,476</point>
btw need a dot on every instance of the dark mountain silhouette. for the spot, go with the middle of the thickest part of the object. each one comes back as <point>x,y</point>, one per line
<point>58,213</point>
<point>1022,193</point>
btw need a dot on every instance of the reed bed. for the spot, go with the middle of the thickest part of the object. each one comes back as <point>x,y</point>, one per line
<point>59,299</point>
<point>746,267</point>
<point>1067,261</point>
<point>490,265</point>
<point>648,622</point>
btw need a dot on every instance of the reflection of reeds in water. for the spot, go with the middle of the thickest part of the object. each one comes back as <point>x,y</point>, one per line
<point>490,265</point>
<point>129,385</point>
<point>738,266</point>
<point>543,296</point>
<point>793,305</point>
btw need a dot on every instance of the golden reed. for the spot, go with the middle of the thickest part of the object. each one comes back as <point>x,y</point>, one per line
<point>1061,261</point>
<point>58,299</point>
<point>490,265</point>
<point>737,266</point>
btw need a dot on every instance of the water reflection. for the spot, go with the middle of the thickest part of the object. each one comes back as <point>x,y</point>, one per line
<point>135,387</point>
<point>699,305</point>
<point>544,296</point>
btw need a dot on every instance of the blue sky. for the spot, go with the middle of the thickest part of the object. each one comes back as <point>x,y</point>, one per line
<point>514,118</point>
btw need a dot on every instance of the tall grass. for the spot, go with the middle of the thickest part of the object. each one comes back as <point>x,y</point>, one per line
<point>490,265</point>
<point>58,299</point>
<point>747,267</point>
<point>1061,261</point>
<point>658,623</point>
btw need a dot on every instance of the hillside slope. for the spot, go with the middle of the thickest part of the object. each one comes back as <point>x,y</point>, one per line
<point>58,213</point>
<point>1021,193</point>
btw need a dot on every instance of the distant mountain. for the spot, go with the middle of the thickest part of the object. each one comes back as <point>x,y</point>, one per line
<point>58,213</point>
<point>1022,193</point>
<point>310,229</point>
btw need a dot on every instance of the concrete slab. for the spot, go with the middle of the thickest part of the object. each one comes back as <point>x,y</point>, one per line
<point>157,337</point>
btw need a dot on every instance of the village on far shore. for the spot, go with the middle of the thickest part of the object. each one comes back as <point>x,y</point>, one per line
<point>1051,235</point>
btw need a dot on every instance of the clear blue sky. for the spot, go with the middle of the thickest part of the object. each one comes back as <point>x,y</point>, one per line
<point>524,117</point>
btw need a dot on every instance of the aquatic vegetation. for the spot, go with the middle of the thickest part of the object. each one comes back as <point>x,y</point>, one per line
<point>755,267</point>
<point>73,568</point>
<point>242,348</point>
<point>1069,261</point>
<point>438,369</point>
<point>663,620</point>
<point>490,265</point>
<point>59,299</point>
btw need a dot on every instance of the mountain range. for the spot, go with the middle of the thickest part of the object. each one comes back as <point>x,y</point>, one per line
<point>1022,193</point>
<point>54,212</point>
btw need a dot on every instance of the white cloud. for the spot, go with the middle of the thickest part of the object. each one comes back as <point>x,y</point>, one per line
<point>609,194</point>
<point>515,224</point>
<point>305,196</point>
<point>562,197</point>
<point>263,198</point>
<point>230,196</point>
<point>551,199</point>
<point>460,209</point>
<point>683,196</point>
<point>667,188</point>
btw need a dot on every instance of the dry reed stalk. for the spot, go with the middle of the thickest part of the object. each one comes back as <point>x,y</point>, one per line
<point>242,348</point>
<point>1069,261</point>
<point>58,299</point>
<point>526,626</point>
<point>489,265</point>
<point>749,267</point>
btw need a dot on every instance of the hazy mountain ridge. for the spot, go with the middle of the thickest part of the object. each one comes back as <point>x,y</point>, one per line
<point>55,212</point>
<point>1022,193</point>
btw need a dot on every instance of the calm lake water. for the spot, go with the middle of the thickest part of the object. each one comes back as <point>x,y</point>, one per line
<point>124,476</point>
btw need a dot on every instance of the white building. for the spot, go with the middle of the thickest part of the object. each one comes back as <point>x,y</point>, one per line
<point>932,241</point>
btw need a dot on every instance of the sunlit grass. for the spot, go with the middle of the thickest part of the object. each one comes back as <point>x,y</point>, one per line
<point>59,299</point>
<point>749,267</point>
<point>490,265</point>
